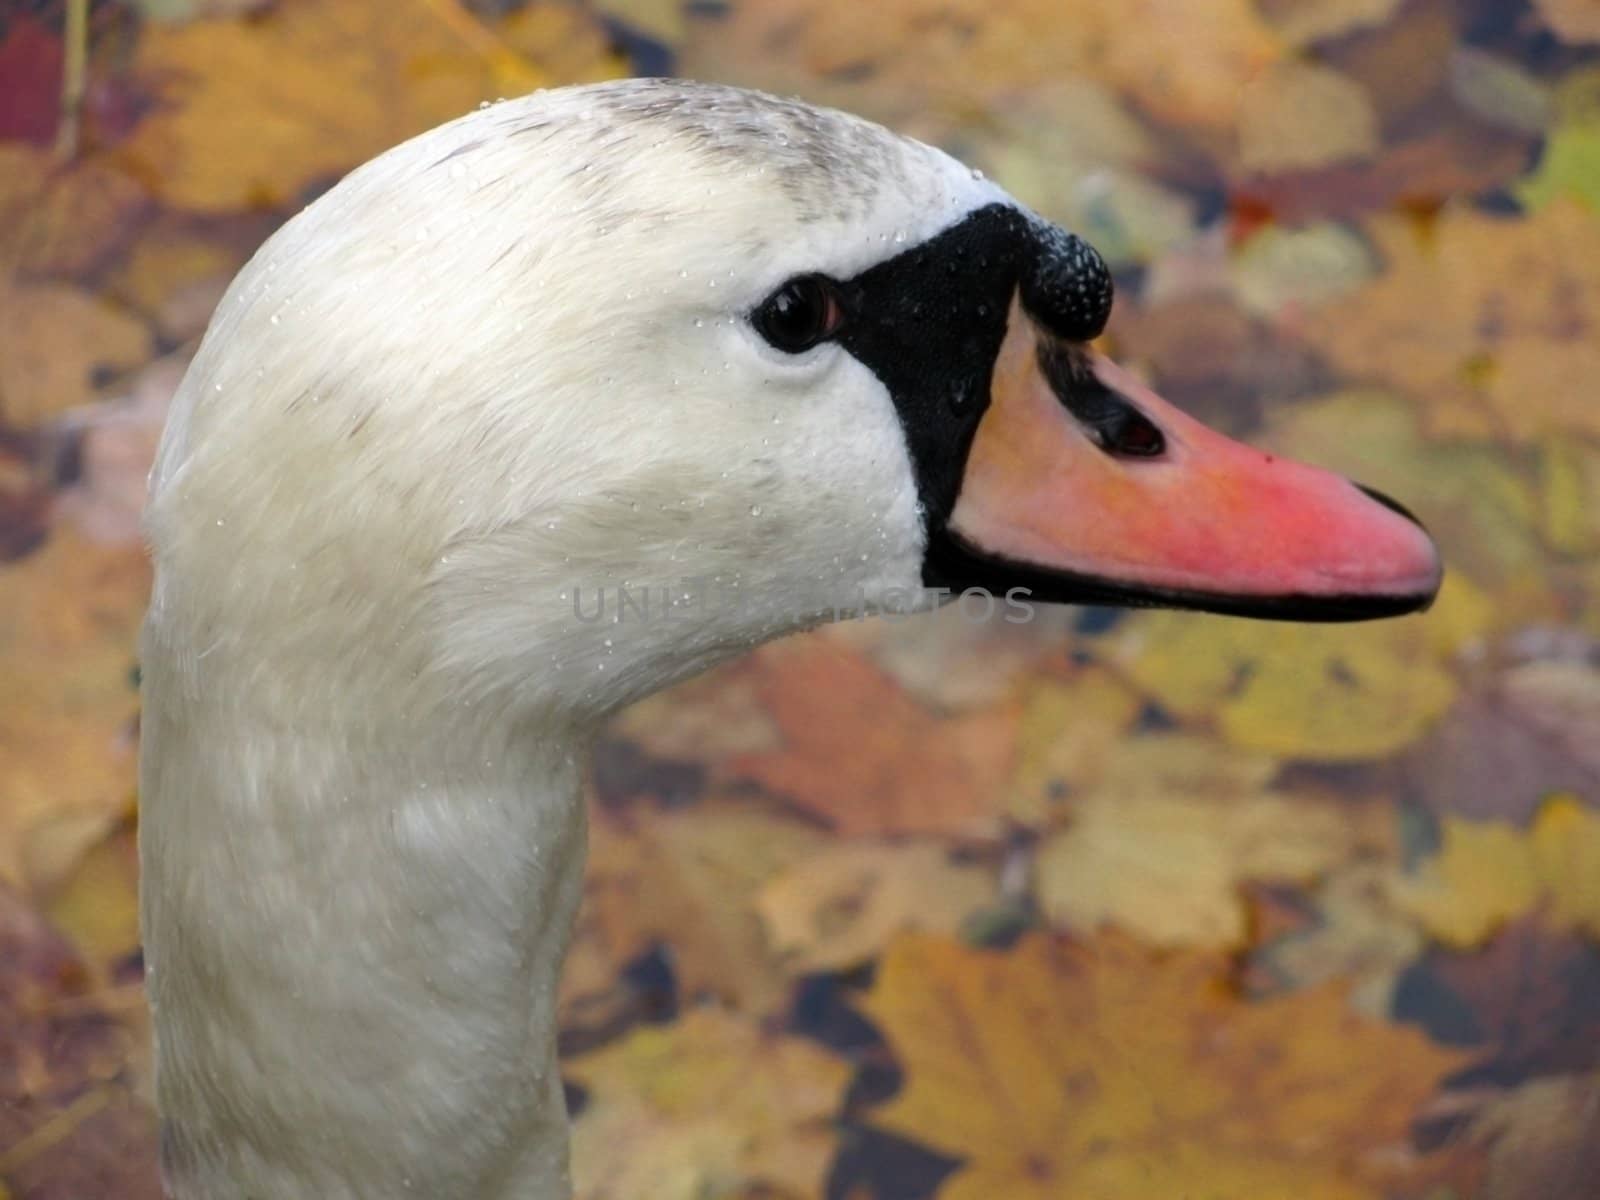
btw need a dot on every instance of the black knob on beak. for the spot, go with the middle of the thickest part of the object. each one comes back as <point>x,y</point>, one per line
<point>1067,287</point>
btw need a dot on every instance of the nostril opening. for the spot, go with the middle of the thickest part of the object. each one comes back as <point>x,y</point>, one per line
<point>1129,434</point>
<point>1392,505</point>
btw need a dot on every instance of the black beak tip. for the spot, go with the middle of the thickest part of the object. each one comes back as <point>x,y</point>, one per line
<point>1390,503</point>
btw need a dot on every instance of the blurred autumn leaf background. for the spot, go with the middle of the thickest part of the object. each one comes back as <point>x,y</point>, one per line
<point>1108,906</point>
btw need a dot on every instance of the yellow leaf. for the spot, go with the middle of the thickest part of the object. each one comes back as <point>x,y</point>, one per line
<point>1333,693</point>
<point>1301,22</point>
<point>1070,732</point>
<point>1163,857</point>
<point>1104,1072</point>
<point>837,909</point>
<point>705,1109</point>
<point>1488,873</point>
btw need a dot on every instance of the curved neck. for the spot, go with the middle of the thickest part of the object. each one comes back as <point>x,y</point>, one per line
<point>353,940</point>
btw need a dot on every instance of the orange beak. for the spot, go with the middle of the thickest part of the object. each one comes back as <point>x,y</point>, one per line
<point>1084,486</point>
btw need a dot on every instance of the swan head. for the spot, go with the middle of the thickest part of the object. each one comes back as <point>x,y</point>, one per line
<point>583,391</point>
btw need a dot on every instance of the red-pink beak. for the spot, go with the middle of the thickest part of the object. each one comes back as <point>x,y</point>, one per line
<point>1085,486</point>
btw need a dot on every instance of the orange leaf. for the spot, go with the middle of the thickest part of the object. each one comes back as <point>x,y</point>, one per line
<point>1105,1071</point>
<point>862,754</point>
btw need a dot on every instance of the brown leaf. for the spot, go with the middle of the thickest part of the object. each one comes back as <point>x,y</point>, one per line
<point>1526,733</point>
<point>1097,1070</point>
<point>1528,1003</point>
<point>63,220</point>
<point>861,754</point>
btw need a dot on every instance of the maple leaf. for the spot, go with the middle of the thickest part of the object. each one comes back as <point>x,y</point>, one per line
<point>1492,324</point>
<point>709,1108</point>
<point>1099,1070</point>
<point>688,878</point>
<point>1182,817</point>
<point>865,756</point>
<point>839,908</point>
<point>1325,692</point>
<point>1487,873</point>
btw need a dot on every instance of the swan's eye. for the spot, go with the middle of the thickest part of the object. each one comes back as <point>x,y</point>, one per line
<point>800,314</point>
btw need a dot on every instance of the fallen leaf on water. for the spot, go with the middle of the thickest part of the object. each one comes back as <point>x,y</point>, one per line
<point>69,614</point>
<point>688,878</point>
<point>55,342</point>
<point>96,905</point>
<point>1570,163</point>
<point>1491,323</point>
<point>62,220</point>
<point>1527,1003</point>
<point>837,909</point>
<point>1099,1070</point>
<point>861,754</point>
<point>1488,873</point>
<point>666,1096</point>
<point>323,87</point>
<point>1357,936</point>
<point>1299,115</point>
<point>1331,693</point>
<point>1161,847</point>
<point>1070,733</point>
<point>1524,734</point>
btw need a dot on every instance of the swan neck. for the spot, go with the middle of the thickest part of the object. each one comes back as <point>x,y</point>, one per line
<point>395,1035</point>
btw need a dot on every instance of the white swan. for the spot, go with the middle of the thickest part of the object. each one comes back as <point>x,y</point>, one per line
<point>628,334</point>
